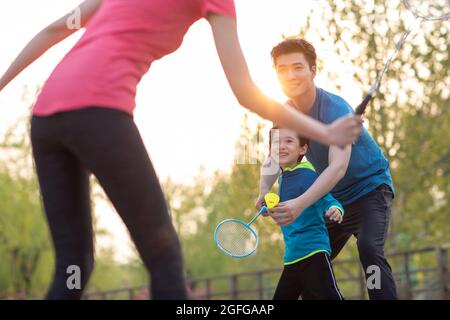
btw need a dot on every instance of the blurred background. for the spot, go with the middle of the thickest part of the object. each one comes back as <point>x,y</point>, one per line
<point>207,149</point>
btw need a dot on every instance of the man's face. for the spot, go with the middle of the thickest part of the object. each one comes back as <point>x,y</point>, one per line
<point>294,74</point>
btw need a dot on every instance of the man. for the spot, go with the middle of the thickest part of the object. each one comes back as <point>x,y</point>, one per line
<point>357,175</point>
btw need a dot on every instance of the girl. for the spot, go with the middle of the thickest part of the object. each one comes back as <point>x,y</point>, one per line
<point>307,266</point>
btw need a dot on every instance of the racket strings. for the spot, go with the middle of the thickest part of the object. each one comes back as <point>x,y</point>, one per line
<point>430,10</point>
<point>388,62</point>
<point>235,238</point>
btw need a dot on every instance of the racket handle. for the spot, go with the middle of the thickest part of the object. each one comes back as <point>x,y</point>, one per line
<point>362,106</point>
<point>263,209</point>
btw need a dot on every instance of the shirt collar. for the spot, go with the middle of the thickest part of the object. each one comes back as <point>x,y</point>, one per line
<point>303,164</point>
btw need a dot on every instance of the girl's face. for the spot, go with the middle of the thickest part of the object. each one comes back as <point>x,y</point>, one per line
<point>285,148</point>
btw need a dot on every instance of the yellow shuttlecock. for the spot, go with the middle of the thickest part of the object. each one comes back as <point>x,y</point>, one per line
<point>271,200</point>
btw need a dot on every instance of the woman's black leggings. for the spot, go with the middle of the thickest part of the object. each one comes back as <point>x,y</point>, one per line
<point>67,147</point>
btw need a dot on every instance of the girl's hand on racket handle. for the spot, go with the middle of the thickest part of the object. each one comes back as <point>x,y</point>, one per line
<point>259,204</point>
<point>286,212</point>
<point>334,214</point>
<point>345,130</point>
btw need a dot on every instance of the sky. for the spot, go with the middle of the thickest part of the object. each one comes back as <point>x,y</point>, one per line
<point>186,112</point>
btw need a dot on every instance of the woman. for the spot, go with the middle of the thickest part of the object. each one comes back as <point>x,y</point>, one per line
<point>82,123</point>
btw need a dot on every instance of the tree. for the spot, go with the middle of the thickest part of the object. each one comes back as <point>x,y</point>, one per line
<point>26,251</point>
<point>24,241</point>
<point>409,116</point>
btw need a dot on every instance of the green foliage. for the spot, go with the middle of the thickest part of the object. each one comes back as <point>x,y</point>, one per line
<point>198,208</point>
<point>409,119</point>
<point>24,242</point>
<point>26,251</point>
<point>409,116</point>
<point>109,274</point>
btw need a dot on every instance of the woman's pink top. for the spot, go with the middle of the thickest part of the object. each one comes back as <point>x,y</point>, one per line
<point>121,41</point>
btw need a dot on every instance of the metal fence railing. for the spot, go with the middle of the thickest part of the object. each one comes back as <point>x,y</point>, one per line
<point>419,274</point>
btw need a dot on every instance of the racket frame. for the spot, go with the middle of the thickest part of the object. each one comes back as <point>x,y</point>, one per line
<point>418,19</point>
<point>246,225</point>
